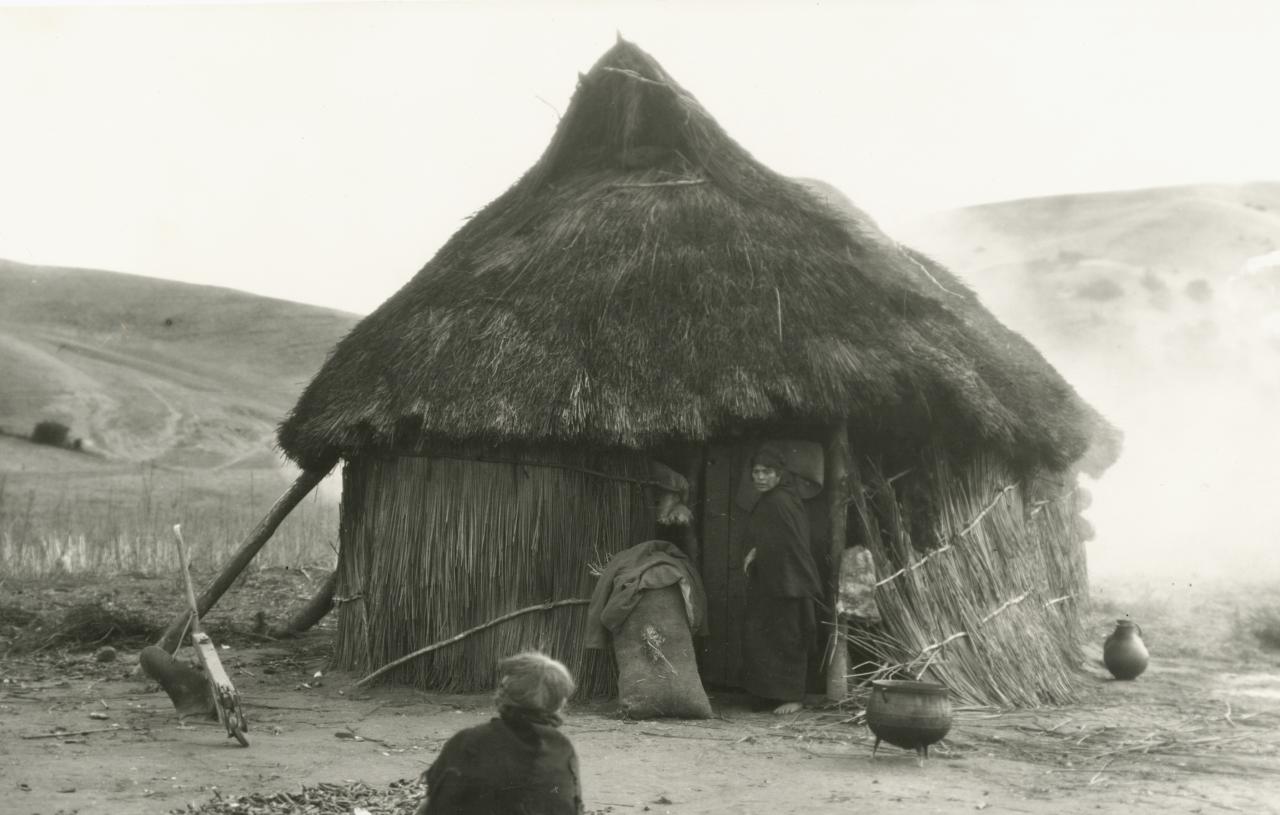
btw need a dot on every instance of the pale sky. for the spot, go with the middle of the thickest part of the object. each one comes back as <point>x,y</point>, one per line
<point>322,152</point>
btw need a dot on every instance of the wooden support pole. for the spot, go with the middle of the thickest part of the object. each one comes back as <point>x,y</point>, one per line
<point>695,464</point>
<point>837,477</point>
<point>305,482</point>
<point>320,604</point>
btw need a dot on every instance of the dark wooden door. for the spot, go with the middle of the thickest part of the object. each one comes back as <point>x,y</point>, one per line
<point>721,566</point>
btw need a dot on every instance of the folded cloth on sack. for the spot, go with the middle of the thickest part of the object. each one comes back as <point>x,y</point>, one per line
<point>653,564</point>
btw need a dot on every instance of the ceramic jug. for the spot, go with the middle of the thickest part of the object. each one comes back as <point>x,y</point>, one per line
<point>1124,653</point>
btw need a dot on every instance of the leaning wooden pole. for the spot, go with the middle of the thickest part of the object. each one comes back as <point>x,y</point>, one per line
<point>304,483</point>
<point>837,477</point>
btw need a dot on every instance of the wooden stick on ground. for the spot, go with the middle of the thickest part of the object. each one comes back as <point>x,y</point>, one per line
<point>67,733</point>
<point>438,645</point>
<point>305,482</point>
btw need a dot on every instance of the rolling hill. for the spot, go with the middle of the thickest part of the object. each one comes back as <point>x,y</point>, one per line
<point>1156,276</point>
<point>1162,306</point>
<point>148,370</point>
<point>175,391</point>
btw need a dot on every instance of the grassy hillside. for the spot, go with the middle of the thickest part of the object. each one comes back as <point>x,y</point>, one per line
<point>152,370</point>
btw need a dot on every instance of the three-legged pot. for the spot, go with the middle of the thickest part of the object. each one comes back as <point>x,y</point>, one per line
<point>909,714</point>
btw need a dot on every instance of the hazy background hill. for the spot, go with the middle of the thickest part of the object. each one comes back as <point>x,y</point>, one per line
<point>1122,269</point>
<point>1163,307</point>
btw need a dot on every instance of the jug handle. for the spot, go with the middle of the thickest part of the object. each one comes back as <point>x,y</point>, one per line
<point>1135,625</point>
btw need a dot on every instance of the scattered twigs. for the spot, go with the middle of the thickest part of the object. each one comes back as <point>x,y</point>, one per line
<point>685,736</point>
<point>1102,770</point>
<point>67,733</point>
<point>438,645</point>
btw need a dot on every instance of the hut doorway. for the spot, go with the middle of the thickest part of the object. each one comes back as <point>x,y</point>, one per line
<point>726,503</point>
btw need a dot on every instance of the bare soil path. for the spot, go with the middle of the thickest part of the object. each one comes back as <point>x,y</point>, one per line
<point>1192,735</point>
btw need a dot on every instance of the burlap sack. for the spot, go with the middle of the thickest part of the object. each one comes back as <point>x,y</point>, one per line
<point>657,667</point>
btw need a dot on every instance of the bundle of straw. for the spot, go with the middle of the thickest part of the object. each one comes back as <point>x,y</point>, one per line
<point>991,610</point>
<point>434,546</point>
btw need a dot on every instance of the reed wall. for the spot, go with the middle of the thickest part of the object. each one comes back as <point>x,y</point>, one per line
<point>434,545</point>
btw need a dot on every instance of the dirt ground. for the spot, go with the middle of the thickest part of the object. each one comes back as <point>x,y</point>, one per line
<point>1199,732</point>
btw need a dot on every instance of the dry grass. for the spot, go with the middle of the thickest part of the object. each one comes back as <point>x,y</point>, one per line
<point>119,522</point>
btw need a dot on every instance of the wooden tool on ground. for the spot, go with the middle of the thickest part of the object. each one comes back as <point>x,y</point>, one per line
<point>225,698</point>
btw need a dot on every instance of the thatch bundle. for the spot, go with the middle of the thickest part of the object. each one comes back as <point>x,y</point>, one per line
<point>990,605</point>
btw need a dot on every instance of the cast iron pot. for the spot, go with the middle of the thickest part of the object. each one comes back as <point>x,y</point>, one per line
<point>909,714</point>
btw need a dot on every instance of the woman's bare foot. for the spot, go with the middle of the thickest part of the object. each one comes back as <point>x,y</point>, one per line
<point>787,708</point>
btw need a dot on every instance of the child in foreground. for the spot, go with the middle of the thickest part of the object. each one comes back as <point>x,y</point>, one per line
<point>519,763</point>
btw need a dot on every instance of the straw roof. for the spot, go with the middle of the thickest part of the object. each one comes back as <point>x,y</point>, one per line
<point>648,280</point>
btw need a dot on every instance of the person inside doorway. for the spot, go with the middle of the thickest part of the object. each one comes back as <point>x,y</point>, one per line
<point>780,627</point>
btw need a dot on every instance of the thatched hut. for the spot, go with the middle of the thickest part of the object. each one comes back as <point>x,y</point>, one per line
<point>649,291</point>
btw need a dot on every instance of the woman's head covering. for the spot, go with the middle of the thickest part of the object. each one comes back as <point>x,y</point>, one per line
<point>770,455</point>
<point>533,681</point>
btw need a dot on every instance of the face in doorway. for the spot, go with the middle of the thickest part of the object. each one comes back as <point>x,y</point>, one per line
<point>764,478</point>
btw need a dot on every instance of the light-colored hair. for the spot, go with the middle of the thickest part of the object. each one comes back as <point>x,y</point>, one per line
<point>533,680</point>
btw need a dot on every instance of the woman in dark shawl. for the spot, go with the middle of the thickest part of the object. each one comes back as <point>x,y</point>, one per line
<point>517,764</point>
<point>782,581</point>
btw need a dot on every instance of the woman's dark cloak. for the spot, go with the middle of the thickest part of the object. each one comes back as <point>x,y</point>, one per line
<point>778,530</point>
<point>779,625</point>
